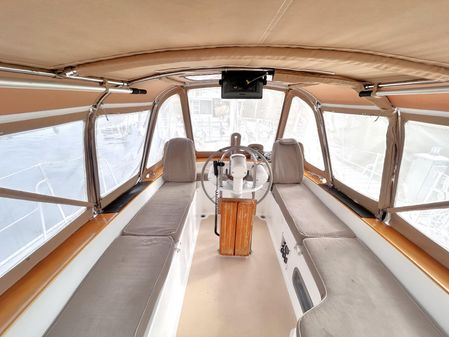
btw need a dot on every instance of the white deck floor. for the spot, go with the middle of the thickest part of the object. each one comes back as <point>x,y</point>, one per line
<point>235,296</point>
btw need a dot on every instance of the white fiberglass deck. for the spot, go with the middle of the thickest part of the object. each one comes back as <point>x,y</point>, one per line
<point>235,296</point>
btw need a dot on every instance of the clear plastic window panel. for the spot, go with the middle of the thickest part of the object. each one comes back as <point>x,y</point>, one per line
<point>214,119</point>
<point>169,124</point>
<point>25,226</point>
<point>424,178</point>
<point>301,125</point>
<point>120,139</point>
<point>357,145</point>
<point>47,161</point>
<point>433,223</point>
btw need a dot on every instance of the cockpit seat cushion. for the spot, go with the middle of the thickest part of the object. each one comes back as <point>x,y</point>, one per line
<point>119,294</point>
<point>362,297</point>
<point>165,213</point>
<point>179,160</point>
<point>306,215</point>
<point>287,162</point>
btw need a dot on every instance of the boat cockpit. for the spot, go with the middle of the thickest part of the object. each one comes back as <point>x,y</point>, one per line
<point>164,174</point>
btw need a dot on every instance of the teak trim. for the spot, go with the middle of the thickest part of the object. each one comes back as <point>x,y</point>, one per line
<point>155,172</point>
<point>431,267</point>
<point>16,299</point>
<point>426,263</point>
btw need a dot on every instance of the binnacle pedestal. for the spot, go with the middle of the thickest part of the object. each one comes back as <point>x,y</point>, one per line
<point>236,226</point>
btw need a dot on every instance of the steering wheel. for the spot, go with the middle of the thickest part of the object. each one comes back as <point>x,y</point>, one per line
<point>227,180</point>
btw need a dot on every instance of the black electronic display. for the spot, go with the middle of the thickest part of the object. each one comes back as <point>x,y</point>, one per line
<point>243,84</point>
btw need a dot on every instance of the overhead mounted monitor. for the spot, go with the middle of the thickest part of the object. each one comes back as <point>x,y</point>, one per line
<point>246,84</point>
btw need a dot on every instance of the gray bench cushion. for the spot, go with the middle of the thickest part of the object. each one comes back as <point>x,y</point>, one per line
<point>165,213</point>
<point>117,297</point>
<point>306,215</point>
<point>362,297</point>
